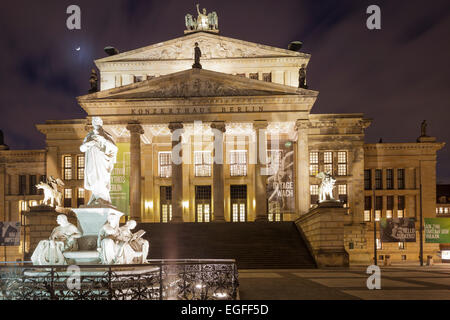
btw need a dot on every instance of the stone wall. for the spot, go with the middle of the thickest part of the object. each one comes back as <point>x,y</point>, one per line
<point>323,229</point>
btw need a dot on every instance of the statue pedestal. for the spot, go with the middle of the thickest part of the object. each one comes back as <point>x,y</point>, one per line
<point>90,221</point>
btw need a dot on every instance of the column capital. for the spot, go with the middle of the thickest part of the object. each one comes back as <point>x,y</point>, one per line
<point>302,124</point>
<point>260,124</point>
<point>175,126</point>
<point>219,125</point>
<point>135,128</point>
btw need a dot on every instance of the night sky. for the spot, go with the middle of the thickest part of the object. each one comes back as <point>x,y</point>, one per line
<point>397,76</point>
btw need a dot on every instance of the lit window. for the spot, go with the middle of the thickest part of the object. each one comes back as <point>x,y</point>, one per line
<point>446,210</point>
<point>313,163</point>
<point>342,191</point>
<point>388,214</point>
<point>328,161</point>
<point>80,167</point>
<point>67,160</point>
<point>401,245</point>
<point>254,76</point>
<point>367,208</point>
<point>67,198</point>
<point>80,197</point>
<point>267,77</point>
<point>378,207</point>
<point>23,205</point>
<point>202,163</point>
<point>238,163</point>
<point>342,163</point>
<point>165,164</point>
<point>379,244</point>
<point>139,78</point>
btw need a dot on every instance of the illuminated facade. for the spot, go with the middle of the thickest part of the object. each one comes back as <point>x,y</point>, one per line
<point>247,96</point>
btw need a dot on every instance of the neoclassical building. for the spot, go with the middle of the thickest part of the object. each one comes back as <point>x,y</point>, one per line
<point>247,98</point>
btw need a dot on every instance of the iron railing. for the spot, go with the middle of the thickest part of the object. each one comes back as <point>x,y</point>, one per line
<point>157,280</point>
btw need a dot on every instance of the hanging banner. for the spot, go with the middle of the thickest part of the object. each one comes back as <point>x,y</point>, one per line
<point>9,234</point>
<point>398,230</point>
<point>280,181</point>
<point>120,179</point>
<point>437,230</point>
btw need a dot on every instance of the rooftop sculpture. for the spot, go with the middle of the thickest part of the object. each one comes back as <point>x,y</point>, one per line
<point>204,22</point>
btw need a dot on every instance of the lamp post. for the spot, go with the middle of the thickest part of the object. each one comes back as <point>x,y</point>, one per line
<point>374,227</point>
<point>421,216</point>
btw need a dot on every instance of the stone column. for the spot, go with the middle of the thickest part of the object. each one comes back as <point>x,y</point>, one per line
<point>218,189</point>
<point>135,170</point>
<point>302,175</point>
<point>176,128</point>
<point>260,127</point>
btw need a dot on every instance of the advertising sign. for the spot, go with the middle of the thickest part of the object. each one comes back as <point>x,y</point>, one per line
<point>280,181</point>
<point>398,230</point>
<point>9,234</point>
<point>120,179</point>
<point>437,230</point>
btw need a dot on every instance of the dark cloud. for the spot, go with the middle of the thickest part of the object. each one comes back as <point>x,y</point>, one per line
<point>397,76</point>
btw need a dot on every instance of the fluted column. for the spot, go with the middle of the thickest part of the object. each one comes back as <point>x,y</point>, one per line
<point>260,127</point>
<point>303,192</point>
<point>218,189</point>
<point>135,170</point>
<point>176,128</point>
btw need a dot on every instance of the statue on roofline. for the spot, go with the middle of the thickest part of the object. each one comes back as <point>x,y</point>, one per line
<point>204,22</point>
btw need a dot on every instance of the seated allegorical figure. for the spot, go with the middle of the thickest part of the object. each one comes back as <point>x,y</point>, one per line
<point>139,245</point>
<point>107,242</point>
<point>63,238</point>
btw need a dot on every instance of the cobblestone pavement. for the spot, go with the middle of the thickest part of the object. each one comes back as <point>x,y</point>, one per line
<point>402,282</point>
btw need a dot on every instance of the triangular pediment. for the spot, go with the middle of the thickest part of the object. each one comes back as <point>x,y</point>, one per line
<point>213,46</point>
<point>196,83</point>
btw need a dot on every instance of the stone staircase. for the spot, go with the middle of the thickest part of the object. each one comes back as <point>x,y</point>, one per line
<point>254,245</point>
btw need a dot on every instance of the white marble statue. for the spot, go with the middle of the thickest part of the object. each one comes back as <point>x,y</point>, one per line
<point>63,238</point>
<point>119,245</point>
<point>202,19</point>
<point>139,245</point>
<point>51,191</point>
<point>100,156</point>
<point>326,187</point>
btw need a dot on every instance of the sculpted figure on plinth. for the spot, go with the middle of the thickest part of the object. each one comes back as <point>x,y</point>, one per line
<point>139,245</point>
<point>100,156</point>
<point>63,238</point>
<point>326,187</point>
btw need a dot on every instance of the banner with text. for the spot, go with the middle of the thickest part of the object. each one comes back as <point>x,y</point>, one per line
<point>398,230</point>
<point>280,181</point>
<point>437,230</point>
<point>120,179</point>
<point>9,234</point>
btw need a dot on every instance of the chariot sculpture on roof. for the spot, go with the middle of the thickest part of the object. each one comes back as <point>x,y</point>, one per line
<point>204,22</point>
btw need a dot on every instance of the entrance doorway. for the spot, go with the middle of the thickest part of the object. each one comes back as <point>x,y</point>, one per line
<point>166,204</point>
<point>202,203</point>
<point>238,195</point>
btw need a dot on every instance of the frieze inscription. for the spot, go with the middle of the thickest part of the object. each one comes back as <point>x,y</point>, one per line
<point>195,110</point>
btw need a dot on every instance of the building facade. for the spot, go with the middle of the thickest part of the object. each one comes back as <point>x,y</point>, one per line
<point>247,98</point>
